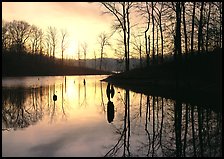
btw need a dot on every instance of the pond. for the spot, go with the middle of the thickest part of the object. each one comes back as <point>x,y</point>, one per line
<point>94,118</point>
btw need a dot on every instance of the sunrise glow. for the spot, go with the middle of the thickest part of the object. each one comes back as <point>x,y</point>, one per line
<point>83,21</point>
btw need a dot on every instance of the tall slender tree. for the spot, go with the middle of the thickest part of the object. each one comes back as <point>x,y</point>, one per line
<point>63,43</point>
<point>52,31</point>
<point>153,35</point>
<point>185,29</point>
<point>207,26</point>
<point>200,28</point>
<point>192,29</point>
<point>121,11</point>
<point>103,40</point>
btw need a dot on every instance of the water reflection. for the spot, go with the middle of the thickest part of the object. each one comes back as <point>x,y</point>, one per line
<point>171,129</point>
<point>110,105</point>
<point>110,111</point>
<point>14,112</point>
<point>139,125</point>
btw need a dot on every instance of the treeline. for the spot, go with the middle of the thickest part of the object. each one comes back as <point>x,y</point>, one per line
<point>173,28</point>
<point>28,50</point>
<point>20,37</point>
<point>41,65</point>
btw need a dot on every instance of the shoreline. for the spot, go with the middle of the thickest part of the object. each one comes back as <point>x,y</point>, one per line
<point>202,94</point>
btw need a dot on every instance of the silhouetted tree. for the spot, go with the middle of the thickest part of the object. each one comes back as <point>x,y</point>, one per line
<point>35,39</point>
<point>159,15</point>
<point>94,59</point>
<point>153,35</point>
<point>143,10</point>
<point>78,53</point>
<point>178,30</point>
<point>200,36</point>
<point>121,11</point>
<point>84,48</point>
<point>63,43</point>
<point>185,29</point>
<point>207,25</point>
<point>19,31</point>
<point>5,36</point>
<point>103,40</point>
<point>138,46</point>
<point>192,30</point>
<point>52,32</point>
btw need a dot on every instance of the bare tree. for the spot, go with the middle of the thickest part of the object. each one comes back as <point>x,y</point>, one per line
<point>159,21</point>
<point>200,29</point>
<point>35,38</point>
<point>138,46</point>
<point>63,43</point>
<point>192,30</point>
<point>207,26</point>
<point>185,30</point>
<point>78,53</point>
<point>146,43</point>
<point>95,59</point>
<point>52,32</point>
<point>121,11</point>
<point>5,36</point>
<point>84,48</point>
<point>143,9</point>
<point>220,26</point>
<point>48,45</point>
<point>103,40</point>
<point>19,31</point>
<point>153,35</point>
<point>177,39</point>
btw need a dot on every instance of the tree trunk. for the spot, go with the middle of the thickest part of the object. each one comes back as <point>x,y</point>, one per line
<point>140,55</point>
<point>149,46</point>
<point>62,56</point>
<point>161,34</point>
<point>128,40</point>
<point>200,28</point>
<point>146,50</point>
<point>220,28</point>
<point>178,31</point>
<point>153,47</point>
<point>177,43</point>
<point>185,30</point>
<point>125,38</point>
<point>192,30</point>
<point>101,58</point>
<point>157,45</point>
<point>209,10</point>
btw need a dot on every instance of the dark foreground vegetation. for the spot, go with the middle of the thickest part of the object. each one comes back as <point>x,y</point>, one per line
<point>195,78</point>
<point>38,65</point>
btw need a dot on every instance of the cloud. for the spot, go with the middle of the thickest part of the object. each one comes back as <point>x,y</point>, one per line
<point>75,141</point>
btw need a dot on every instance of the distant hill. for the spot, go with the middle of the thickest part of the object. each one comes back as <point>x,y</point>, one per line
<point>108,64</point>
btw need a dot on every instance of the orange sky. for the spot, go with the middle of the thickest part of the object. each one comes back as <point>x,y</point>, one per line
<point>82,20</point>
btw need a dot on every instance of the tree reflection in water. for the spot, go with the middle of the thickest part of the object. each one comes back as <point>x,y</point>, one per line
<point>15,114</point>
<point>172,129</point>
<point>22,107</point>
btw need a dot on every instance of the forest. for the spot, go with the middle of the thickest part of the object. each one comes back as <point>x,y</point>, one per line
<point>190,33</point>
<point>161,32</point>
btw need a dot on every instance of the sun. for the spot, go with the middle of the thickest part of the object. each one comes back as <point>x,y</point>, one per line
<point>72,49</point>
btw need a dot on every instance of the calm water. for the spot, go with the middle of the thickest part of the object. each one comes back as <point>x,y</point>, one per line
<point>83,121</point>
